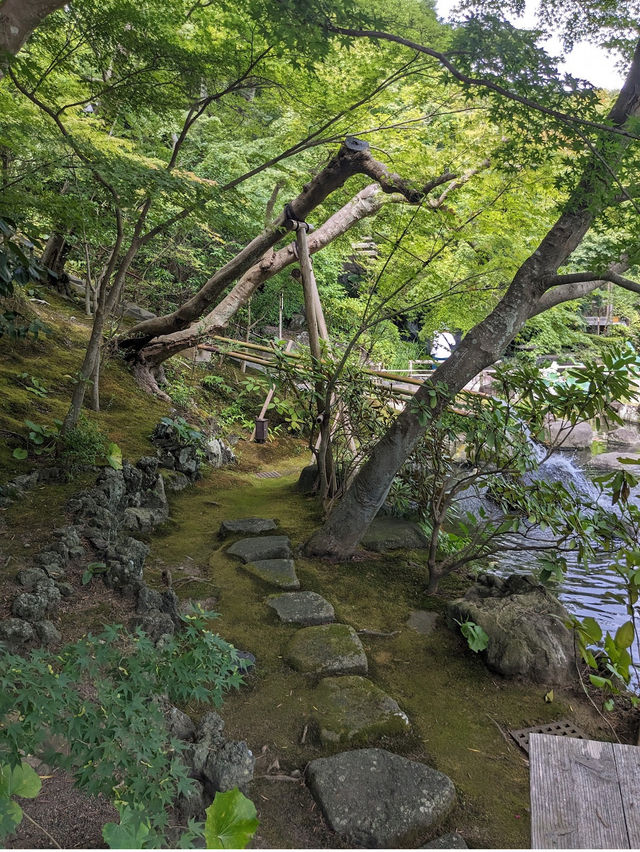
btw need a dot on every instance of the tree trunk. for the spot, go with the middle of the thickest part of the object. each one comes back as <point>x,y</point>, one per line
<point>349,520</point>
<point>18,19</point>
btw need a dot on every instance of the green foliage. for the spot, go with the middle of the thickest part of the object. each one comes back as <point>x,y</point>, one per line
<point>231,821</point>
<point>18,780</point>
<point>32,384</point>
<point>83,445</point>
<point>476,637</point>
<point>92,569</point>
<point>95,698</point>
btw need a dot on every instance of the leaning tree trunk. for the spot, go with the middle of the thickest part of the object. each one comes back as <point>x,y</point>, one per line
<point>485,343</point>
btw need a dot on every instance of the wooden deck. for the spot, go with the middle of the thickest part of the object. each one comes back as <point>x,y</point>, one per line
<point>584,794</point>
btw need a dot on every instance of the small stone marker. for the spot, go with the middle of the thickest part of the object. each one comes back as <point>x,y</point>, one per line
<point>278,572</point>
<point>355,710</point>
<point>246,526</point>
<point>422,621</point>
<point>329,649</point>
<point>306,608</point>
<point>377,799</point>
<point>265,547</point>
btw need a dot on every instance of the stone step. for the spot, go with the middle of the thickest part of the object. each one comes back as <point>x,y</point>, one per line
<point>278,572</point>
<point>329,649</point>
<point>264,547</point>
<point>379,800</point>
<point>355,710</point>
<point>307,608</point>
<point>246,526</point>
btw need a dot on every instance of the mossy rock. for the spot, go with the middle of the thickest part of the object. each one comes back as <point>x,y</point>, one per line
<point>306,608</point>
<point>328,649</point>
<point>277,572</point>
<point>389,533</point>
<point>261,548</point>
<point>355,710</point>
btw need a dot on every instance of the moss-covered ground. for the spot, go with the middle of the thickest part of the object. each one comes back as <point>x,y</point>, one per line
<point>459,711</point>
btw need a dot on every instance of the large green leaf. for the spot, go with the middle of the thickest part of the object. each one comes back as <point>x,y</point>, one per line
<point>114,456</point>
<point>231,821</point>
<point>19,780</point>
<point>133,832</point>
<point>10,816</point>
<point>624,635</point>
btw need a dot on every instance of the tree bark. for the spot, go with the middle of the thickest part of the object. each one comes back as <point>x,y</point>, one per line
<point>18,19</point>
<point>349,520</point>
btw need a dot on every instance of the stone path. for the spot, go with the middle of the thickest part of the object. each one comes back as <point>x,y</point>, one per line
<point>371,797</point>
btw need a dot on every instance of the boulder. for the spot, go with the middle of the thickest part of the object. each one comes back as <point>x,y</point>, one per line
<point>32,606</point>
<point>47,633</point>
<point>277,572</point>
<point>15,632</point>
<point>154,623</point>
<point>176,481</point>
<point>623,436</point>
<point>308,479</point>
<point>179,724</point>
<point>352,709</point>
<point>389,533</point>
<point>209,738</point>
<point>246,526</point>
<point>329,649</point>
<point>576,437</point>
<point>526,626</point>
<point>376,799</point>
<point>229,766</point>
<point>609,461</point>
<point>28,577</point>
<point>422,621</point>
<point>305,608</point>
<point>265,547</point>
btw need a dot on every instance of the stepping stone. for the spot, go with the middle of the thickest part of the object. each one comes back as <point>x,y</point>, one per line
<point>377,799</point>
<point>354,710</point>
<point>389,533</point>
<point>447,841</point>
<point>302,608</point>
<point>247,526</point>
<point>278,572</point>
<point>330,649</point>
<point>422,621</point>
<point>265,547</point>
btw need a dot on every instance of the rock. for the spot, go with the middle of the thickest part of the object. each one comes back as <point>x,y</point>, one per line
<point>447,841</point>
<point>125,563</point>
<point>525,625</point>
<point>209,738</point>
<point>218,453</point>
<point>47,633</point>
<point>154,623</point>
<point>422,621</point>
<point>230,766</point>
<point>66,590</point>
<point>246,526</point>
<point>308,479</point>
<point>306,608</point>
<point>609,461</point>
<point>624,436</point>
<point>265,547</point>
<point>28,607</point>
<point>329,649</point>
<point>193,804</point>
<point>389,533</point>
<point>28,577</point>
<point>142,519</point>
<point>135,312</point>
<point>15,632</point>
<point>354,710</point>
<point>578,437</point>
<point>179,724</point>
<point>377,799</point>
<point>147,599</point>
<point>278,572</point>
<point>176,481</point>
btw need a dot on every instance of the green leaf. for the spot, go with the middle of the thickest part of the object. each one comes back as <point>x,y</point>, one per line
<point>20,453</point>
<point>132,833</point>
<point>598,681</point>
<point>10,817</point>
<point>114,456</point>
<point>591,629</point>
<point>231,821</point>
<point>609,704</point>
<point>477,639</point>
<point>624,635</point>
<point>19,780</point>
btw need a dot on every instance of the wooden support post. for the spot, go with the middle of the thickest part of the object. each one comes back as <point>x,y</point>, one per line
<point>268,399</point>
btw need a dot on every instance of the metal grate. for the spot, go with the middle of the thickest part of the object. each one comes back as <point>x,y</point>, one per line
<point>268,474</point>
<point>560,728</point>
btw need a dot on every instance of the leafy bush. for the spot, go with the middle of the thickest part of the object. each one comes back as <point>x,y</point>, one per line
<point>84,444</point>
<point>91,709</point>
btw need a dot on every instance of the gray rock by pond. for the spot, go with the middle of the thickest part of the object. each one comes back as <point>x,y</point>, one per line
<point>609,461</point>
<point>624,436</point>
<point>575,437</point>
<point>352,709</point>
<point>526,626</point>
<point>376,799</point>
<point>277,572</point>
<point>307,608</point>
<point>389,533</point>
<point>265,547</point>
<point>329,649</point>
<point>246,526</point>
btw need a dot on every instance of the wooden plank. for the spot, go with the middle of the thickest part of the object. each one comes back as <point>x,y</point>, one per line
<point>627,758</point>
<point>575,795</point>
